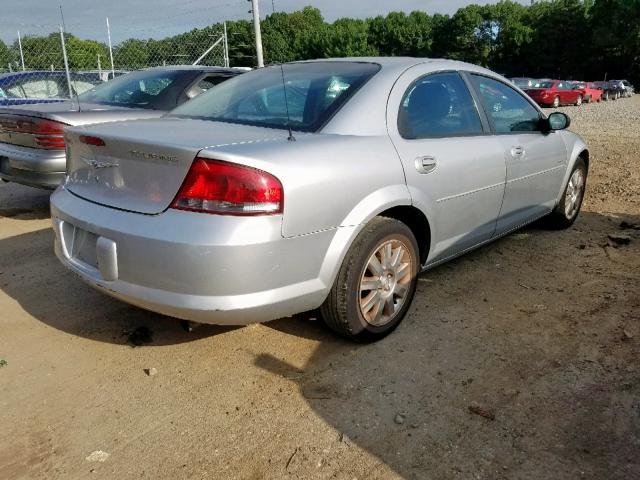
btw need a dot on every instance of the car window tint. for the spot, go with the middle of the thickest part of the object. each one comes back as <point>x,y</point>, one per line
<point>40,89</point>
<point>508,110</point>
<point>15,91</point>
<point>81,86</point>
<point>438,105</point>
<point>314,92</point>
<point>144,89</point>
<point>209,82</point>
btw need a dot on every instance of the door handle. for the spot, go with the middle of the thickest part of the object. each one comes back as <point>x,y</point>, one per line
<point>426,164</point>
<point>517,151</point>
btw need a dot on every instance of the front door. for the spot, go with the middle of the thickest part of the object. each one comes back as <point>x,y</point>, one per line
<point>535,161</point>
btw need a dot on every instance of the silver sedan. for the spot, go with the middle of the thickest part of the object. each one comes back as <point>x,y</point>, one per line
<point>31,136</point>
<point>327,184</point>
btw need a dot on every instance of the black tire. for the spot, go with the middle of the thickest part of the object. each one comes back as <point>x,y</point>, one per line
<point>559,218</point>
<point>341,311</point>
<point>605,96</point>
<point>579,101</point>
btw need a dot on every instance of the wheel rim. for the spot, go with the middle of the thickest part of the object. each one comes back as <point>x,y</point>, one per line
<point>579,101</point>
<point>385,281</point>
<point>573,197</point>
<point>556,102</point>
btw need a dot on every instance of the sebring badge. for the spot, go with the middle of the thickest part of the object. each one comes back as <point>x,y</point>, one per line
<point>153,157</point>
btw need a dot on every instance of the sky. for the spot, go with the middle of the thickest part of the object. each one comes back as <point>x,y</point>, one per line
<point>162,18</point>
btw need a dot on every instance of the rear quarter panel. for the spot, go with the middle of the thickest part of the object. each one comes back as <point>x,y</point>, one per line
<point>329,180</point>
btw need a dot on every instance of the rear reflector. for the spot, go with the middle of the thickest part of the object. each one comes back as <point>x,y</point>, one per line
<point>223,188</point>
<point>95,141</point>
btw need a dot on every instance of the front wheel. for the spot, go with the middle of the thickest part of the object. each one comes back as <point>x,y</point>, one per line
<point>375,284</point>
<point>569,205</point>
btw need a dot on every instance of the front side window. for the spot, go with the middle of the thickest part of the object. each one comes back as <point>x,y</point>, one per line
<point>314,92</point>
<point>438,105</point>
<point>508,111</point>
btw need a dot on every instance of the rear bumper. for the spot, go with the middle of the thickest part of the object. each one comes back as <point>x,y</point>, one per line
<point>31,166</point>
<point>205,268</point>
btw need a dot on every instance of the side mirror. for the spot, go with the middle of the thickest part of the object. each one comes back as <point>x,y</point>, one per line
<point>557,121</point>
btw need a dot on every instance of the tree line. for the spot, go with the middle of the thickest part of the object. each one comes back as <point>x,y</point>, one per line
<point>571,39</point>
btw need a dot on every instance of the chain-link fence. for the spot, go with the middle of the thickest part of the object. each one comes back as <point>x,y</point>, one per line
<point>60,65</point>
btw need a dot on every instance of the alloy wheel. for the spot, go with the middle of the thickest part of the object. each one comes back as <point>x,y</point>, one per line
<point>385,282</point>
<point>574,193</point>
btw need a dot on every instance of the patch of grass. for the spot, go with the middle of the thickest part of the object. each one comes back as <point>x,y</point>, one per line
<point>3,363</point>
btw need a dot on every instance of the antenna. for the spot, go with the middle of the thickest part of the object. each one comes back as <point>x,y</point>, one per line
<point>286,104</point>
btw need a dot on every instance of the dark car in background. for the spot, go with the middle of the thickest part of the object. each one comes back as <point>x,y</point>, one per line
<point>32,146</point>
<point>622,87</point>
<point>19,88</point>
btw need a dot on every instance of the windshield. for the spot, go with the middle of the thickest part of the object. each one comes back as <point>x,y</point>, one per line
<point>314,92</point>
<point>135,90</point>
<point>544,85</point>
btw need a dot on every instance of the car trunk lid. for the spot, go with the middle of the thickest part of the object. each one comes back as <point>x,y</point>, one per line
<point>142,165</point>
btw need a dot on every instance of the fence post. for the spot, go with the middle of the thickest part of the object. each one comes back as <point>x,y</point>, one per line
<point>66,62</point>
<point>226,46</point>
<point>113,71</point>
<point>21,54</point>
<point>256,30</point>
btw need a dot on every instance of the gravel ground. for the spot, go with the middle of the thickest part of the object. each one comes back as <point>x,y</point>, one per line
<point>518,361</point>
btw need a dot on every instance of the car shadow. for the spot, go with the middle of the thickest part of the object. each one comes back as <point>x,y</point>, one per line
<point>23,203</point>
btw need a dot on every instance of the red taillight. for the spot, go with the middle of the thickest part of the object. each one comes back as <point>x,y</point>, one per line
<point>225,188</point>
<point>95,141</point>
<point>48,134</point>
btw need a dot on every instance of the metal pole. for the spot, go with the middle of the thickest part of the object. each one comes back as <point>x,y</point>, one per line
<point>21,54</point>
<point>66,62</point>
<point>99,67</point>
<point>258,34</point>
<point>226,46</point>
<point>113,71</point>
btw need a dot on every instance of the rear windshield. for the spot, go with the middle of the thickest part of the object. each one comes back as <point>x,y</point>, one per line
<point>144,89</point>
<point>314,92</point>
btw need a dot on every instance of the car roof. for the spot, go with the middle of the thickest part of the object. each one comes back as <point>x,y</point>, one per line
<point>197,68</point>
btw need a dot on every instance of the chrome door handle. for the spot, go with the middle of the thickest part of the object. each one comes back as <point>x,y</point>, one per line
<point>517,152</point>
<point>426,164</point>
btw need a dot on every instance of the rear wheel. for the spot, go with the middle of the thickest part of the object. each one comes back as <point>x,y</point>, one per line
<point>569,205</point>
<point>579,101</point>
<point>375,284</point>
<point>556,102</point>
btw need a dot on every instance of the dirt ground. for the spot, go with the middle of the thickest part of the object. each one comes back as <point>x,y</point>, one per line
<point>540,329</point>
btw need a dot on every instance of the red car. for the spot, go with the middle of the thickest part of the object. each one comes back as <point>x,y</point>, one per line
<point>590,92</point>
<point>553,93</point>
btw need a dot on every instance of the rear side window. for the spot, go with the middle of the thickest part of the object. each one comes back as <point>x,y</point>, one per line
<point>507,109</point>
<point>438,105</point>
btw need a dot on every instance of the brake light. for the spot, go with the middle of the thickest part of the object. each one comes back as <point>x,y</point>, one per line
<point>48,134</point>
<point>223,188</point>
<point>89,140</point>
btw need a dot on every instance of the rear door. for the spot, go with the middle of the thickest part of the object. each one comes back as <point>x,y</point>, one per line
<point>535,161</point>
<point>454,168</point>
